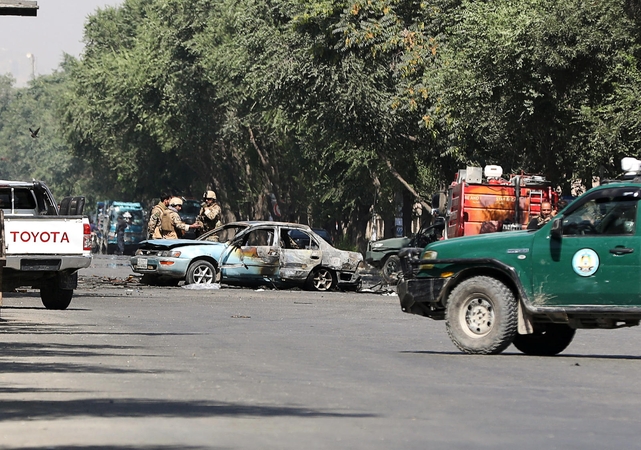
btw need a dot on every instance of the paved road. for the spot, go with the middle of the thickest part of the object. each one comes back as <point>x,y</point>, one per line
<point>131,367</point>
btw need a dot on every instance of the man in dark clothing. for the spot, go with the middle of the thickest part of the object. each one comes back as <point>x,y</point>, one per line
<point>543,218</point>
<point>121,226</point>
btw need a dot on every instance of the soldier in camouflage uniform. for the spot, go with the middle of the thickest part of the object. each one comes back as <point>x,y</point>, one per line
<point>153,227</point>
<point>210,213</point>
<point>171,225</point>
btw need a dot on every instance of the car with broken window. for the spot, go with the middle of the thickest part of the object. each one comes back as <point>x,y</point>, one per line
<point>252,253</point>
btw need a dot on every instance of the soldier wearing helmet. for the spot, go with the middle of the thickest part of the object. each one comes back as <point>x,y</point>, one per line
<point>210,213</point>
<point>171,225</point>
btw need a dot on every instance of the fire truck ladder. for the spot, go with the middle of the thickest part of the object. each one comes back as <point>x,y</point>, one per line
<point>537,196</point>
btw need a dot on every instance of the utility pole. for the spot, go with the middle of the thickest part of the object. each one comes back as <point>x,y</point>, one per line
<point>32,57</point>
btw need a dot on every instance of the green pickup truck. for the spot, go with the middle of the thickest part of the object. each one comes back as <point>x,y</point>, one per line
<point>534,289</point>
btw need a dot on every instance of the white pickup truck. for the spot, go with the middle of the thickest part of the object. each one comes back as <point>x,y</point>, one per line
<point>44,244</point>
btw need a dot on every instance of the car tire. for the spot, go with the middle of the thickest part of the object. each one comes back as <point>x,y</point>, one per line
<point>392,269</point>
<point>53,297</point>
<point>481,316</point>
<point>321,279</point>
<point>548,339</point>
<point>201,272</point>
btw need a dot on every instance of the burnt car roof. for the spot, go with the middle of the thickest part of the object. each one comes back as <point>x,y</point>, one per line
<point>201,240</point>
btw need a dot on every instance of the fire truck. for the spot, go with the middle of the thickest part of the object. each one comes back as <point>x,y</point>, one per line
<point>477,201</point>
<point>485,201</point>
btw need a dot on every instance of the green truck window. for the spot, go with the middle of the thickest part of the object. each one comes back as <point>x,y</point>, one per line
<point>603,216</point>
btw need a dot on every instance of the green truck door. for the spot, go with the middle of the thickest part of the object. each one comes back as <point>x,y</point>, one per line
<point>597,259</point>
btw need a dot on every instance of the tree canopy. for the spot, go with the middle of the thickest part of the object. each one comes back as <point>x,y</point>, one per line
<point>330,108</point>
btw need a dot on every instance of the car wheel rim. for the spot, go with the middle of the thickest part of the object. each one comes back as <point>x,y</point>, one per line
<point>323,280</point>
<point>391,268</point>
<point>477,317</point>
<point>203,275</point>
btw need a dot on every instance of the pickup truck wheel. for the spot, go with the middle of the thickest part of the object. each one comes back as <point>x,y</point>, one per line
<point>392,269</point>
<point>55,298</point>
<point>201,272</point>
<point>481,316</point>
<point>321,279</point>
<point>548,339</point>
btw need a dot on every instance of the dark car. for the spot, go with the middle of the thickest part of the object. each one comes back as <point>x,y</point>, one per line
<point>189,214</point>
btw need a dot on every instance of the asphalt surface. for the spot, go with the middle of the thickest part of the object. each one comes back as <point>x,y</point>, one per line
<point>135,367</point>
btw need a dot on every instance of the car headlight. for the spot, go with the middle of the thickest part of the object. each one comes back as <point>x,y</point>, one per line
<point>430,254</point>
<point>169,254</point>
<point>138,252</point>
<point>377,245</point>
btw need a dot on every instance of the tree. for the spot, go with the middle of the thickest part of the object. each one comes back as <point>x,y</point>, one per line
<point>537,86</point>
<point>46,156</point>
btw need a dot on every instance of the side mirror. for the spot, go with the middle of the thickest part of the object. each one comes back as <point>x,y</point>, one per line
<point>557,228</point>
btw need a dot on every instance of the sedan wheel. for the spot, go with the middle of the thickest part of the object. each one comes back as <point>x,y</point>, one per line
<point>201,272</point>
<point>321,279</point>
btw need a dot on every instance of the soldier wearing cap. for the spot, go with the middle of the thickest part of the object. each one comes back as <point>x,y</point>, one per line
<point>210,213</point>
<point>171,225</point>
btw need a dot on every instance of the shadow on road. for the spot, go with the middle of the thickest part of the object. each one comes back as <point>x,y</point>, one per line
<point>504,354</point>
<point>131,407</point>
<point>122,447</point>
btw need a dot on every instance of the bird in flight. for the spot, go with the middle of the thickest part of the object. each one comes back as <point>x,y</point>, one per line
<point>34,133</point>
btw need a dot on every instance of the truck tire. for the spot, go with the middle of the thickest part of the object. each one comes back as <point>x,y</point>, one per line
<point>392,269</point>
<point>548,339</point>
<point>201,272</point>
<point>55,298</point>
<point>481,316</point>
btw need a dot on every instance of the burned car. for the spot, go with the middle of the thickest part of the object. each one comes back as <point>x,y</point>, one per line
<point>254,253</point>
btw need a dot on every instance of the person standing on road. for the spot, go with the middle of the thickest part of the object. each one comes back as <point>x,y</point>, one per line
<point>543,218</point>
<point>121,226</point>
<point>210,213</point>
<point>171,225</point>
<point>153,227</point>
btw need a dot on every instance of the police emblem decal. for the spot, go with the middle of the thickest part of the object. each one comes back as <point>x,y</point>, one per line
<point>585,262</point>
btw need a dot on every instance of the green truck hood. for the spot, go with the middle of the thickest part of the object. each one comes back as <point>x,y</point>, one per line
<point>391,243</point>
<point>491,245</point>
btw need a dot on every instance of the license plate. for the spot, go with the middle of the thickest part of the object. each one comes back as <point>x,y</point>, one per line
<point>142,263</point>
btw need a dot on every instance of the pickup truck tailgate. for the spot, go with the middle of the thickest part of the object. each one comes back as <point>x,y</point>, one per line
<point>44,235</point>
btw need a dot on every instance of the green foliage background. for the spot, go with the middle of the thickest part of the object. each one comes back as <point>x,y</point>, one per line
<point>334,107</point>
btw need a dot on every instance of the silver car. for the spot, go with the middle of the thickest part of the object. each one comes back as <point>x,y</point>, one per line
<point>252,253</point>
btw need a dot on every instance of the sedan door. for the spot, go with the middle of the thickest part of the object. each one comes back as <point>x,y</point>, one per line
<point>252,258</point>
<point>299,254</point>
